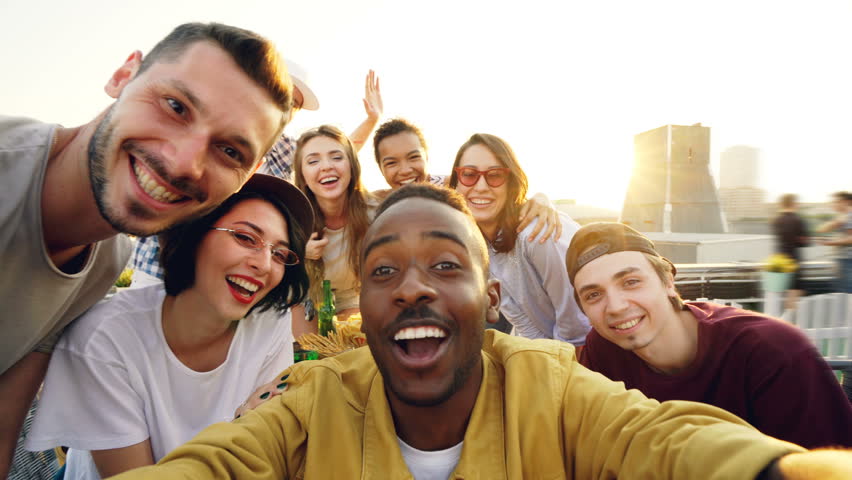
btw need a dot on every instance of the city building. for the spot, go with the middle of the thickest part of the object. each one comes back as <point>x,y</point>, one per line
<point>740,203</point>
<point>739,166</point>
<point>739,191</point>
<point>671,188</point>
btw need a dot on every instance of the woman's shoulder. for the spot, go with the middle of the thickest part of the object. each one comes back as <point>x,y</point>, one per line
<point>372,200</point>
<point>569,228</point>
<point>113,319</point>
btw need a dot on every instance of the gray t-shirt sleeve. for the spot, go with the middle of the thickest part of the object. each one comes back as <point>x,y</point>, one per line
<point>48,343</point>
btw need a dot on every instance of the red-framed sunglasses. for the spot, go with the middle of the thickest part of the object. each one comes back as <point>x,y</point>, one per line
<point>494,177</point>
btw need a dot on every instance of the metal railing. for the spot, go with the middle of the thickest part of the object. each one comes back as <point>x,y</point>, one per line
<point>740,281</point>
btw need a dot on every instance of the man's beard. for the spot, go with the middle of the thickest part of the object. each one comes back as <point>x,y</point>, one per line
<point>98,145</point>
<point>461,374</point>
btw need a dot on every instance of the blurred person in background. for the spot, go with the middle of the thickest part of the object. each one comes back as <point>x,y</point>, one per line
<point>791,234</point>
<point>842,225</point>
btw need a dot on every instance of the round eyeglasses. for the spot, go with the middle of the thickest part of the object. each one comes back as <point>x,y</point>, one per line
<point>494,177</point>
<point>253,241</point>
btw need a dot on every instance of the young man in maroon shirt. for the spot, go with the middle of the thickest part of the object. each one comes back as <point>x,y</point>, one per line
<point>759,368</point>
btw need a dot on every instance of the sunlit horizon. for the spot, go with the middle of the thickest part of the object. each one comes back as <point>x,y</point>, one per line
<point>567,86</point>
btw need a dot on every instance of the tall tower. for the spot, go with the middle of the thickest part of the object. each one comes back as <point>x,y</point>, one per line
<point>741,197</point>
<point>671,189</point>
<point>738,167</point>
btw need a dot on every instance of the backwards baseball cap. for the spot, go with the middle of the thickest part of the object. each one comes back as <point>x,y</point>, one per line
<point>597,239</point>
<point>299,76</point>
<point>296,201</point>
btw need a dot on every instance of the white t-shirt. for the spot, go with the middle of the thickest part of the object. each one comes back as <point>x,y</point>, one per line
<point>434,465</point>
<point>113,381</point>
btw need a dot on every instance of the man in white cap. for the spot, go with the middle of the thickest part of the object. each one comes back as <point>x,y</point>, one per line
<point>278,161</point>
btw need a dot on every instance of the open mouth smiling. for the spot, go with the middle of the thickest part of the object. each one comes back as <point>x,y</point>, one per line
<point>157,191</point>
<point>420,346</point>
<point>329,180</point>
<point>243,289</point>
<point>627,325</point>
<point>480,202</point>
<point>408,180</point>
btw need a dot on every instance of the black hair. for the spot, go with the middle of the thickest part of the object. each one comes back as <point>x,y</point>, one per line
<point>393,127</point>
<point>846,196</point>
<point>425,190</point>
<point>445,196</point>
<point>179,247</point>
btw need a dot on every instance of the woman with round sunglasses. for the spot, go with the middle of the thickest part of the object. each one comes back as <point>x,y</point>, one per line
<point>536,295</point>
<point>327,170</point>
<point>144,371</point>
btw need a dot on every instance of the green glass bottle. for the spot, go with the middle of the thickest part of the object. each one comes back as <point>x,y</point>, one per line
<point>326,311</point>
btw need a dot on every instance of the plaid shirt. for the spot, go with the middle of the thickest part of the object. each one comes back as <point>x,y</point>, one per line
<point>278,162</point>
<point>146,256</point>
<point>438,180</point>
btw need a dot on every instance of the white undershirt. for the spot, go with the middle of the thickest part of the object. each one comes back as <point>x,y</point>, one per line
<point>436,465</point>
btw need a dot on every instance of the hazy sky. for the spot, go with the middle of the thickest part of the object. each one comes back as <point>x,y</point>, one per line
<point>567,86</point>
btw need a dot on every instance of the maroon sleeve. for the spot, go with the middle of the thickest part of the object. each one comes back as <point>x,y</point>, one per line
<point>588,351</point>
<point>796,396</point>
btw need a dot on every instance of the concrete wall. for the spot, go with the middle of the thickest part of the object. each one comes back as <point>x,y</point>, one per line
<point>751,250</point>
<point>678,252</point>
<point>717,251</point>
<point>752,227</point>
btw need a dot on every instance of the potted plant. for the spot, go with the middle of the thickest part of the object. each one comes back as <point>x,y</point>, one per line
<point>777,275</point>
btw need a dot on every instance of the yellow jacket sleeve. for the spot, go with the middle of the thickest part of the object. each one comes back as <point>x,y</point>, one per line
<point>616,433</point>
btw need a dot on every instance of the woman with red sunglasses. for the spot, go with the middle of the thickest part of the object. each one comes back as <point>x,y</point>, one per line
<point>537,297</point>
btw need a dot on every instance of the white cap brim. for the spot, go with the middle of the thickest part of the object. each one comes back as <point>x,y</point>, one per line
<point>299,76</point>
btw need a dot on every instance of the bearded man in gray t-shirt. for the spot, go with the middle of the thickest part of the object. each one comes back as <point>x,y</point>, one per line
<point>190,124</point>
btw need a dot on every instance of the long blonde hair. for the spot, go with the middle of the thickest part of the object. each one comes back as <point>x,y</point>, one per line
<point>355,208</point>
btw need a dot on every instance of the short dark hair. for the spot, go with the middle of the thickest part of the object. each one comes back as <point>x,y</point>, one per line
<point>179,247</point>
<point>392,127</point>
<point>845,196</point>
<point>439,194</point>
<point>425,190</point>
<point>254,54</point>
